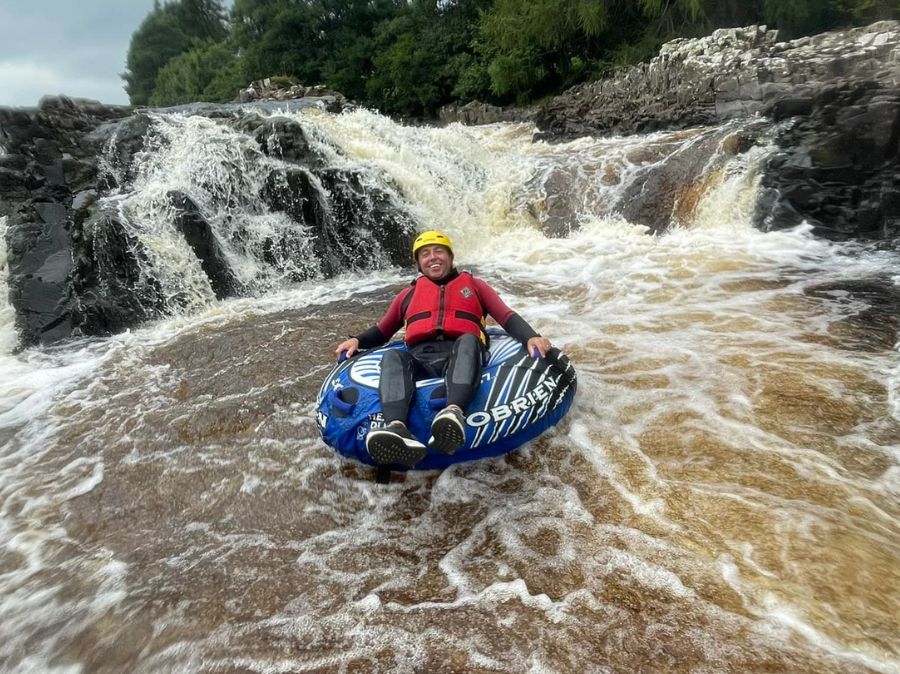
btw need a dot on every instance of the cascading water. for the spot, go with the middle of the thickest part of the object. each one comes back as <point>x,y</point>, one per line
<point>224,172</point>
<point>722,496</point>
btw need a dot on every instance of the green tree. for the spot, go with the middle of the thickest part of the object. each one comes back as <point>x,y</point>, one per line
<point>167,31</point>
<point>205,73</point>
<point>866,11</point>
<point>279,37</point>
<point>472,80</point>
<point>348,32</point>
<point>201,19</point>
<point>465,73</point>
<point>799,17</point>
<point>404,79</point>
<point>158,39</point>
<point>668,18</point>
<point>530,46</point>
<point>423,55</point>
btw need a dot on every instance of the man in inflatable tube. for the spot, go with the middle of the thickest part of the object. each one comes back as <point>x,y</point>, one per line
<point>444,311</point>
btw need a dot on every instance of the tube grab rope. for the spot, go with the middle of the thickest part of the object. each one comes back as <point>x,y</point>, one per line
<point>334,398</point>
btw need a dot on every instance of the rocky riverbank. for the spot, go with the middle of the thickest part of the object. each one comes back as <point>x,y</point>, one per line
<point>734,72</point>
<point>834,99</point>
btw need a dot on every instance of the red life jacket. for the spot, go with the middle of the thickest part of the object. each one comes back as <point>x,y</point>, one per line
<point>449,309</point>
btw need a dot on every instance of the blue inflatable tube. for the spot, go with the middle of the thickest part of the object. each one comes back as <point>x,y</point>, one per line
<point>519,398</point>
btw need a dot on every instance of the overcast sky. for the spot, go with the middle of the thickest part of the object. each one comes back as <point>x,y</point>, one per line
<point>71,47</point>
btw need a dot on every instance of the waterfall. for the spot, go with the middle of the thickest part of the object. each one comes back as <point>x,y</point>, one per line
<point>481,183</point>
<point>225,175</point>
<point>188,209</point>
<point>493,182</point>
<point>723,495</point>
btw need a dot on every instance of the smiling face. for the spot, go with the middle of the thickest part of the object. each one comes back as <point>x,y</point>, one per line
<point>434,261</point>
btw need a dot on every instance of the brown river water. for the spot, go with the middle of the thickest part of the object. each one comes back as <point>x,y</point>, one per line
<point>723,495</point>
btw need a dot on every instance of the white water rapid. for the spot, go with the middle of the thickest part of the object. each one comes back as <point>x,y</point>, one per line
<point>724,495</point>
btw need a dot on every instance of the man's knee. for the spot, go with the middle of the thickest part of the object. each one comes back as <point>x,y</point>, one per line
<point>392,361</point>
<point>396,376</point>
<point>468,345</point>
<point>466,361</point>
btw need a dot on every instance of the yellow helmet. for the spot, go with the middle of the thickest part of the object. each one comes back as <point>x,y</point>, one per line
<point>431,238</point>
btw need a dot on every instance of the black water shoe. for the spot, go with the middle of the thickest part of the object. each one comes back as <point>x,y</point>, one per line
<point>394,444</point>
<point>448,430</point>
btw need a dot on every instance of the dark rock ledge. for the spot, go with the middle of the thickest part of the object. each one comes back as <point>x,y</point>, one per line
<point>76,269</point>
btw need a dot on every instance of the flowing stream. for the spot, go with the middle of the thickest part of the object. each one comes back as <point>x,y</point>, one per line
<point>724,495</point>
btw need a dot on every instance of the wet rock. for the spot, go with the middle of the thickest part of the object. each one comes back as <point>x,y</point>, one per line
<point>292,191</point>
<point>279,137</point>
<point>76,269</point>
<point>282,89</point>
<point>371,227</point>
<point>654,198</point>
<point>109,290</point>
<point>838,167</point>
<point>47,161</point>
<point>475,113</point>
<point>357,227</point>
<point>871,318</point>
<point>118,143</point>
<point>39,263</point>
<point>199,235</point>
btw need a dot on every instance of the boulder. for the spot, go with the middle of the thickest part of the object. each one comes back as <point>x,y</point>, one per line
<point>110,293</point>
<point>48,161</point>
<point>477,112</point>
<point>284,89</point>
<point>837,167</point>
<point>200,237</point>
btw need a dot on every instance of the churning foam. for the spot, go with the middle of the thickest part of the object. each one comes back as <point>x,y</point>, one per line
<point>490,187</point>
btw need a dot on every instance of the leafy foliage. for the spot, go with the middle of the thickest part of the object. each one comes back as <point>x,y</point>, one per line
<point>165,33</point>
<point>413,56</point>
<point>201,74</point>
<point>158,40</point>
<point>278,36</point>
<point>798,17</point>
<point>421,55</point>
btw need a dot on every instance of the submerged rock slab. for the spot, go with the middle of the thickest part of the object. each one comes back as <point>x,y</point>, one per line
<point>838,166</point>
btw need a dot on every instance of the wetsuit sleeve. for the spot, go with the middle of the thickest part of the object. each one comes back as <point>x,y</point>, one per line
<point>371,337</point>
<point>519,328</point>
<point>392,321</point>
<point>508,319</point>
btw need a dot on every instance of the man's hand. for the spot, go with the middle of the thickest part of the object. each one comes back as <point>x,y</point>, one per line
<point>542,344</point>
<point>350,346</point>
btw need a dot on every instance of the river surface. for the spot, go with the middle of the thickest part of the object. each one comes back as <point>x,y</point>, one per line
<point>724,495</point>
